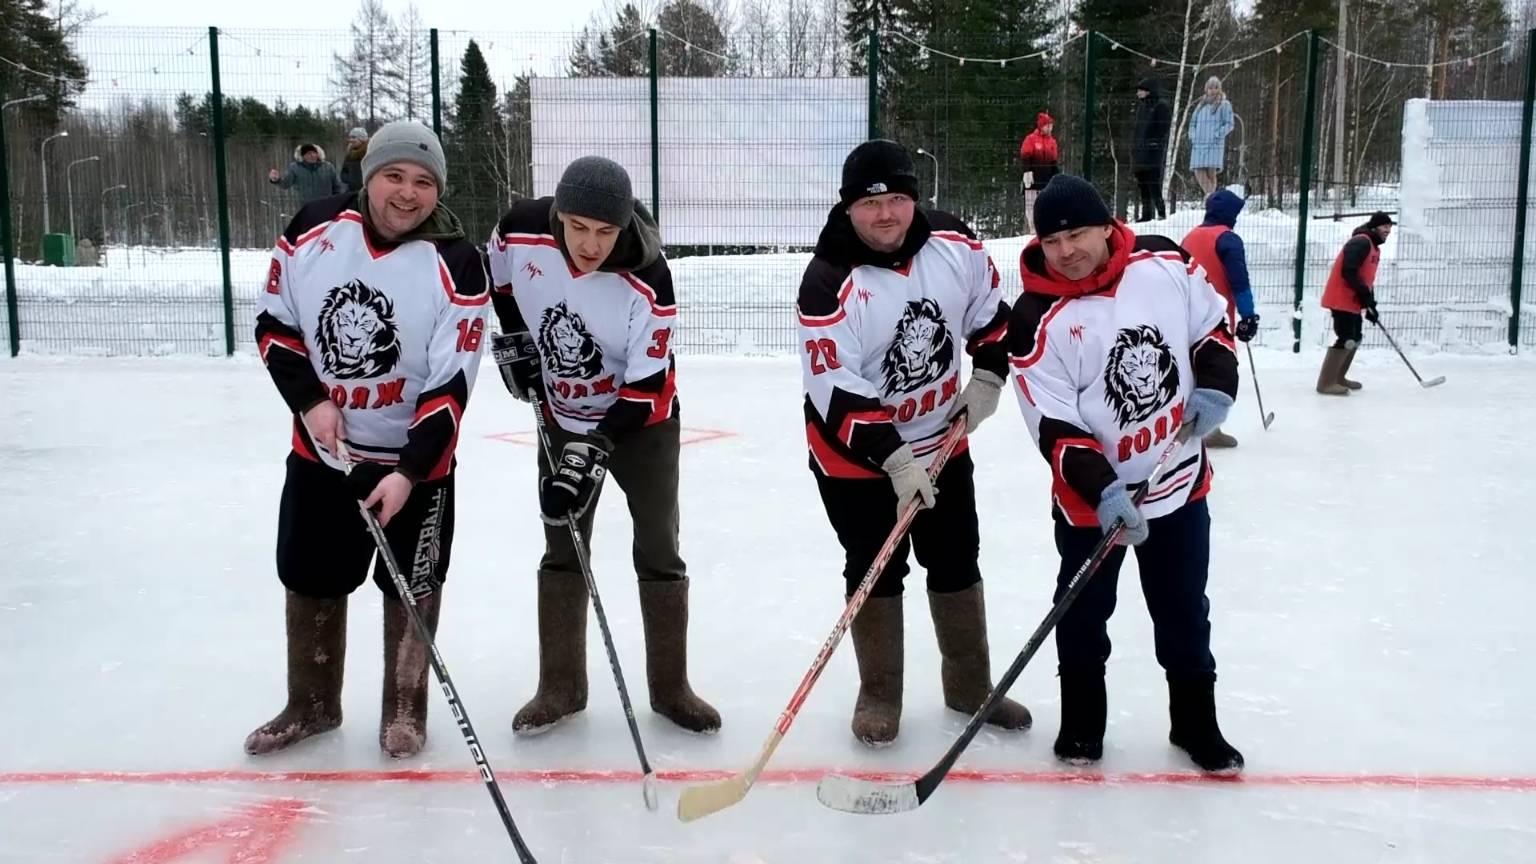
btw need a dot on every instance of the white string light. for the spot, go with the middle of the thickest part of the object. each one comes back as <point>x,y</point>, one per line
<point>1469,62</point>
<point>688,44</point>
<point>1235,63</point>
<point>1002,62</point>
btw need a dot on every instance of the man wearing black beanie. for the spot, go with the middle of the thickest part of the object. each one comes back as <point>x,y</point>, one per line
<point>888,302</point>
<point>1118,345</point>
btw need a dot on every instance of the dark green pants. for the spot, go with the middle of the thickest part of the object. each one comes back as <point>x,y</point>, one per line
<point>644,464</point>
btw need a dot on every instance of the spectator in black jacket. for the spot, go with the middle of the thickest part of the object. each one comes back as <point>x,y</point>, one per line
<point>1149,147</point>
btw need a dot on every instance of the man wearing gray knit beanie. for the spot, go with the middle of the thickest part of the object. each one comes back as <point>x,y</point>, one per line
<point>596,203</point>
<point>404,175</point>
<point>587,314</point>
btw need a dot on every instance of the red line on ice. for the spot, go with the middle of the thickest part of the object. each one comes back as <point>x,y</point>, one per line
<point>797,775</point>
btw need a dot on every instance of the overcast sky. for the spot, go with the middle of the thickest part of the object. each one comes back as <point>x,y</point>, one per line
<point>528,16</point>
<point>265,52</point>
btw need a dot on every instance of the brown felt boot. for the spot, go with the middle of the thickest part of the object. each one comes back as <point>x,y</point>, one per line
<point>880,649</point>
<point>1349,359</point>
<point>960,622</point>
<point>1219,439</point>
<point>317,653</point>
<point>403,717</point>
<point>664,612</point>
<point>562,654</point>
<point>1328,377</point>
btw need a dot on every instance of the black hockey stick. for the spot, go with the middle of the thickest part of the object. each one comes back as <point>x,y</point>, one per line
<point>1253,372</point>
<point>1433,382</point>
<point>867,797</point>
<point>648,783</point>
<point>460,715</point>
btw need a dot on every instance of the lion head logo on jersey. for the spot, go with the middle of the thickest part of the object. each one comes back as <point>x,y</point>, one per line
<point>569,350</point>
<point>358,338</point>
<point>1141,376</point>
<point>922,351</point>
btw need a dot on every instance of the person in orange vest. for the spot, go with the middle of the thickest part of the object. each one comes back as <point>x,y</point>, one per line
<point>1215,246</point>
<point>1350,294</point>
<point>1041,159</point>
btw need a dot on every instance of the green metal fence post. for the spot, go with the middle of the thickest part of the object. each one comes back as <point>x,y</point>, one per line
<point>1308,136</point>
<point>872,64</point>
<point>1090,58</point>
<point>1522,193</point>
<point>221,184</point>
<point>8,249</point>
<point>437,86</point>
<point>655,132</point>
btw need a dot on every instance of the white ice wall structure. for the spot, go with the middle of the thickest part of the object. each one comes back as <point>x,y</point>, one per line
<point>1456,231</point>
<point>743,161</point>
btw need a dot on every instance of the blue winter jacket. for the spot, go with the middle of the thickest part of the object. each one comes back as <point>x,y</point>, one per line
<point>1208,130</point>
<point>1222,209</point>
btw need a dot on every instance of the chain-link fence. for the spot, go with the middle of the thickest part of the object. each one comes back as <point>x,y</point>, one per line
<point>737,148</point>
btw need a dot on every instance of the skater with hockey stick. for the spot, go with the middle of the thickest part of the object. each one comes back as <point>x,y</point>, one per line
<point>1217,248</point>
<point>585,268</point>
<point>1350,297</point>
<point>377,353</point>
<point>891,297</point>
<point>1117,343</point>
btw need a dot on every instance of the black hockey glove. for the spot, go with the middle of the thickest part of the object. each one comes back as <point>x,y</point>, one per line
<point>1248,327</point>
<point>1371,314</point>
<point>517,357</point>
<point>566,495</point>
<point>364,476</point>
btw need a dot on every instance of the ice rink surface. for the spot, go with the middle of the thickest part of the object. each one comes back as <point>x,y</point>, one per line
<point>1371,595</point>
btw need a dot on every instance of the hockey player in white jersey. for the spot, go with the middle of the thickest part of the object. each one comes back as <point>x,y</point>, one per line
<point>581,275</point>
<point>370,324</point>
<point>1117,343</point>
<point>891,298</point>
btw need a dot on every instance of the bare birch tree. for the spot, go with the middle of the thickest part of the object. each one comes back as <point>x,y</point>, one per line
<point>413,65</point>
<point>367,80</point>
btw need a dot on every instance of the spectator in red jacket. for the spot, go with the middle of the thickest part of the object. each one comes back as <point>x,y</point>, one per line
<point>1041,159</point>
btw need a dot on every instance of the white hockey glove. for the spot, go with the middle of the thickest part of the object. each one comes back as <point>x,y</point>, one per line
<point>909,479</point>
<point>979,399</point>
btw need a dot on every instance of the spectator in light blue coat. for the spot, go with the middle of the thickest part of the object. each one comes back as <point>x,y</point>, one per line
<point>1209,126</point>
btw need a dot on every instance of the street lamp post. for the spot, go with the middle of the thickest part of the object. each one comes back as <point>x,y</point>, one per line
<point>43,155</point>
<point>922,152</point>
<point>104,193</point>
<point>69,189</point>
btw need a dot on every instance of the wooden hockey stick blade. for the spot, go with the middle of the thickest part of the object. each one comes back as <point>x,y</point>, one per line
<point>704,799</point>
<point>1433,382</point>
<point>866,797</point>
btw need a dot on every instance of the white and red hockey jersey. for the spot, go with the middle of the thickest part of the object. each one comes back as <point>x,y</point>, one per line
<point>391,333</point>
<point>1102,368</point>
<point>881,336</point>
<point>604,337</point>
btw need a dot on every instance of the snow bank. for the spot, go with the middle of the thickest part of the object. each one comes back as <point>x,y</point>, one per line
<point>1443,283</point>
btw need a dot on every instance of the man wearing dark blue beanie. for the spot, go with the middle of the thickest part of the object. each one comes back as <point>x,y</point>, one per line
<point>1121,355</point>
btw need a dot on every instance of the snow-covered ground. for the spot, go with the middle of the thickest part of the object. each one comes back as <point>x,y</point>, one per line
<point>1370,589</point>
<point>150,301</point>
